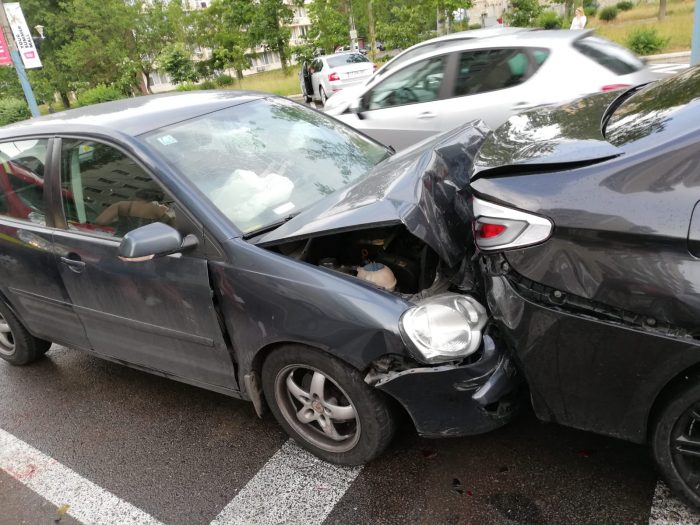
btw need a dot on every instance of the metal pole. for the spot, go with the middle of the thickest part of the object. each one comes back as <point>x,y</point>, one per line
<point>17,61</point>
<point>695,45</point>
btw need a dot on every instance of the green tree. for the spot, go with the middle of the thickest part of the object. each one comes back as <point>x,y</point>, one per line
<point>269,27</point>
<point>177,62</point>
<point>102,48</point>
<point>330,24</point>
<point>523,13</point>
<point>223,28</point>
<point>58,29</point>
<point>161,23</point>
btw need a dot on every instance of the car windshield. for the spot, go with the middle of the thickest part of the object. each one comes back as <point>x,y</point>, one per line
<point>350,58</point>
<point>263,161</point>
<point>654,110</point>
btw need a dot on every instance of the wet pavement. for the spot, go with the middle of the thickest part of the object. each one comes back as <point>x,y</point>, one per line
<point>182,454</point>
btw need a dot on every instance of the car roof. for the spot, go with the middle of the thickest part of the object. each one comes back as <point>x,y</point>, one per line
<point>550,38</point>
<point>485,32</point>
<point>131,116</point>
<point>344,53</point>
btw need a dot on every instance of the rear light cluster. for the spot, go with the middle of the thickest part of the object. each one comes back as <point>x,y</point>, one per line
<point>612,87</point>
<point>333,76</point>
<point>499,228</point>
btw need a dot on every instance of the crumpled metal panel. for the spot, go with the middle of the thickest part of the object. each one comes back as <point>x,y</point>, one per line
<point>416,187</point>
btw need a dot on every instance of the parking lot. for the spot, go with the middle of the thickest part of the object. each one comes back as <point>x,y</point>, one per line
<point>102,443</point>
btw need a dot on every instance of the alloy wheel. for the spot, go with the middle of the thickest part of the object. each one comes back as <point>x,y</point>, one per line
<point>685,447</point>
<point>317,408</point>
<point>7,339</point>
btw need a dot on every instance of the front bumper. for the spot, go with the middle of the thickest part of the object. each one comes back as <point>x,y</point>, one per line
<point>457,400</point>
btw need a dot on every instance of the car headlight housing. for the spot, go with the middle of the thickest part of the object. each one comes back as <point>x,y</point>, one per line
<point>443,328</point>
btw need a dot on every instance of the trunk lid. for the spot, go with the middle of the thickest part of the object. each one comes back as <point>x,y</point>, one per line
<point>548,138</point>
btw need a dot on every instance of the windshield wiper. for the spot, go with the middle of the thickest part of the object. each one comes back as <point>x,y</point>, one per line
<point>617,103</point>
<point>271,226</point>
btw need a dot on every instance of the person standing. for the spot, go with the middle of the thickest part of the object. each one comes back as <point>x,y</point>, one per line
<point>579,21</point>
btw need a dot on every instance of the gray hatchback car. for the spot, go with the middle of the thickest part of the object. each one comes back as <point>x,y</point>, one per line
<point>257,248</point>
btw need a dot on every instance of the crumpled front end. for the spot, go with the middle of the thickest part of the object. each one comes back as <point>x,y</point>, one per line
<point>468,398</point>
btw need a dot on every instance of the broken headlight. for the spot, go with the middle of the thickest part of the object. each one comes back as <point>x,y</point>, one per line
<point>445,327</point>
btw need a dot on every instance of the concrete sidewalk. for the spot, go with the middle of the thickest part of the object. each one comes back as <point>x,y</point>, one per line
<point>681,57</point>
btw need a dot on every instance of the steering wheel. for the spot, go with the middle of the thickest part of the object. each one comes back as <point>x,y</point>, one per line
<point>406,94</point>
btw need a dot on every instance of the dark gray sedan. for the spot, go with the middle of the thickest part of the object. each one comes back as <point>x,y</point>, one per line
<point>259,249</point>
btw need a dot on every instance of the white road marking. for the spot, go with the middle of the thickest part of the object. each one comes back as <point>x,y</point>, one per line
<point>60,485</point>
<point>666,509</point>
<point>292,487</point>
<point>668,69</point>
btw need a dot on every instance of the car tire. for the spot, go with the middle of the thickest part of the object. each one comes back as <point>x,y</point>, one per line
<point>17,345</point>
<point>322,95</point>
<point>305,388</point>
<point>675,441</point>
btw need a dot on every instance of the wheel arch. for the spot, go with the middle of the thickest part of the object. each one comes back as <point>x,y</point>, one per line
<point>666,393</point>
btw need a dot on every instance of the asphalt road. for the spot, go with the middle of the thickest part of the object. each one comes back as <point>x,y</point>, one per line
<point>182,455</point>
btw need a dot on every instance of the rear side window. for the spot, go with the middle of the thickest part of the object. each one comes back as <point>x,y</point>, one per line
<point>22,180</point>
<point>611,56</point>
<point>486,70</point>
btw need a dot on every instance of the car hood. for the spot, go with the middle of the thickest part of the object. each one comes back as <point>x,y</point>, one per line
<point>416,187</point>
<point>339,101</point>
<point>550,137</point>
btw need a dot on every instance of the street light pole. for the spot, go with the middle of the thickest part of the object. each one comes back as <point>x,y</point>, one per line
<point>17,62</point>
<point>695,42</point>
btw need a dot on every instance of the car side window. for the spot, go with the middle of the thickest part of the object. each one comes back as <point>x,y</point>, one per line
<point>22,179</point>
<point>107,193</point>
<point>487,70</point>
<point>419,82</point>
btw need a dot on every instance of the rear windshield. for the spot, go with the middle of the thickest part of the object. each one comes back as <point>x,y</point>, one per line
<point>670,107</point>
<point>350,58</point>
<point>611,56</point>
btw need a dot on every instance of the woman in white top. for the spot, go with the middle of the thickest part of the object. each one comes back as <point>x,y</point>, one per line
<point>579,21</point>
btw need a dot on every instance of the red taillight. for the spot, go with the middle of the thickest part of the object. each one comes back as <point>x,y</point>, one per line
<point>498,227</point>
<point>333,76</point>
<point>611,87</point>
<point>488,231</point>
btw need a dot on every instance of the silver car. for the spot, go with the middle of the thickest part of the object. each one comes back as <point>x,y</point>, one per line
<point>329,74</point>
<point>490,80</point>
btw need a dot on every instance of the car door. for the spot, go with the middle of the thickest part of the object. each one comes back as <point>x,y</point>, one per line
<point>29,275</point>
<point>317,66</point>
<point>492,85</point>
<point>407,106</point>
<point>158,313</point>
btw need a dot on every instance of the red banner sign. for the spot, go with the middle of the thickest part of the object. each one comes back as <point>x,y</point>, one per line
<point>5,59</point>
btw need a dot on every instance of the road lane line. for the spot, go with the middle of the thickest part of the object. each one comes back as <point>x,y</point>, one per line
<point>292,487</point>
<point>666,509</point>
<point>60,485</point>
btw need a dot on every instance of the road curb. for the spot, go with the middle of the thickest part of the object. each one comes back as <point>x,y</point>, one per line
<point>682,57</point>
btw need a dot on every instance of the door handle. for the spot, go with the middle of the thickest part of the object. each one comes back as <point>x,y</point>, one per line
<point>426,115</point>
<point>74,263</point>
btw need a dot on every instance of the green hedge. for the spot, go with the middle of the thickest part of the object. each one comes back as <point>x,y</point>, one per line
<point>624,5</point>
<point>608,13</point>
<point>223,80</point>
<point>548,20</point>
<point>13,110</point>
<point>98,94</point>
<point>646,41</point>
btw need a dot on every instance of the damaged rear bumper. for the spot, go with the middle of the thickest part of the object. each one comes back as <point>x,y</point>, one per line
<point>457,400</point>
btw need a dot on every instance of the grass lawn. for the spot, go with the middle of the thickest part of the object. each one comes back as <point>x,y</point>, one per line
<point>272,82</point>
<point>677,26</point>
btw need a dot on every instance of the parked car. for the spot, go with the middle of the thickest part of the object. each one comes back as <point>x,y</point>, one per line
<point>347,95</point>
<point>587,220</point>
<point>329,74</point>
<point>255,247</point>
<point>488,79</point>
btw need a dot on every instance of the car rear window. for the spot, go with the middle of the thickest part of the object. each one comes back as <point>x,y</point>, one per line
<point>350,58</point>
<point>611,56</point>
